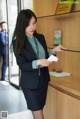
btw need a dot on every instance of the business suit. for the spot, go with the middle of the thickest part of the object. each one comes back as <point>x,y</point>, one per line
<point>33,79</point>
<point>4,52</point>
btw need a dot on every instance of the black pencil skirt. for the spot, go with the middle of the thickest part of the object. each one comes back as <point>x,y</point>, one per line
<point>36,98</point>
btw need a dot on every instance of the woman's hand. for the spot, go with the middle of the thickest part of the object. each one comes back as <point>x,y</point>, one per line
<point>58,48</point>
<point>43,62</point>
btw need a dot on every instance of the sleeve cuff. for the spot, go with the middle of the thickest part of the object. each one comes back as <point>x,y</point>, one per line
<point>34,64</point>
<point>51,53</point>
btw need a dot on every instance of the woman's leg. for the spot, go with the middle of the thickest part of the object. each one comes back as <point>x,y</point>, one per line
<point>38,114</point>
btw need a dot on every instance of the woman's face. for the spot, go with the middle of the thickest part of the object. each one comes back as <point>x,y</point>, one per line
<point>30,29</point>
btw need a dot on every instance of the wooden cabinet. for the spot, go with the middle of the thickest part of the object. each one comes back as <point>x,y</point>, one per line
<point>61,106</point>
<point>67,106</point>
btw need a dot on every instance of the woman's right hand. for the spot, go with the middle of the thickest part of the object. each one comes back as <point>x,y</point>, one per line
<point>43,62</point>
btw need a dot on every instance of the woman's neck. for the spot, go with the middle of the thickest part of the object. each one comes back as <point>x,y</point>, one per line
<point>30,37</point>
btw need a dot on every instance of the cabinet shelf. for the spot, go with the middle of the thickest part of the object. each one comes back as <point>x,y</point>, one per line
<point>71,14</point>
<point>69,50</point>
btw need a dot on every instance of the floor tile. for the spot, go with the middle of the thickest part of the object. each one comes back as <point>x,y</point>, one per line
<point>21,115</point>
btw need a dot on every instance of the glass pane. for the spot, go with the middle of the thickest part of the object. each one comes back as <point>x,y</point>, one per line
<point>12,11</point>
<point>3,45</point>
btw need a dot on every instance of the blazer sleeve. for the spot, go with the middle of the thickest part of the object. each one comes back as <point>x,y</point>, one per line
<point>23,64</point>
<point>2,40</point>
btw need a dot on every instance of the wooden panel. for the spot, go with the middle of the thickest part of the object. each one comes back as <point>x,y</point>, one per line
<point>69,61</point>
<point>67,107</point>
<point>62,106</point>
<point>47,26</point>
<point>44,7</point>
<point>44,26</point>
<point>74,108</point>
<point>69,26</point>
<point>50,107</point>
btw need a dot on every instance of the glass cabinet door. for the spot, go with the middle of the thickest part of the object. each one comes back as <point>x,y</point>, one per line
<point>13,70</point>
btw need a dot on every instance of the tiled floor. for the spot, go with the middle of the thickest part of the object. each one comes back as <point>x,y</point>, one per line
<point>13,101</point>
<point>21,115</point>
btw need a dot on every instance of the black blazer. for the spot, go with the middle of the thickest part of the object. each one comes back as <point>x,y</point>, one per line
<point>30,77</point>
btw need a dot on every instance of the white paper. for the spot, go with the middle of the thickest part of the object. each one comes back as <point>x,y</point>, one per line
<point>53,58</point>
<point>62,74</point>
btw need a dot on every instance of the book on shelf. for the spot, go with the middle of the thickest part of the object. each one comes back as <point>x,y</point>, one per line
<point>64,6</point>
<point>57,37</point>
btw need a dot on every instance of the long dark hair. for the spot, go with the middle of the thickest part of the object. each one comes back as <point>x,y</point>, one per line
<point>23,20</point>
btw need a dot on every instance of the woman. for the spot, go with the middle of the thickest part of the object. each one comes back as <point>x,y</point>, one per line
<point>31,55</point>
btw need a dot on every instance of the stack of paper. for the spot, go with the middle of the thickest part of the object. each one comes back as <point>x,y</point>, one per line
<point>53,58</point>
<point>57,74</point>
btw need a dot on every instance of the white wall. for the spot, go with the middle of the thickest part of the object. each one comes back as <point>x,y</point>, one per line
<point>3,10</point>
<point>27,4</point>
